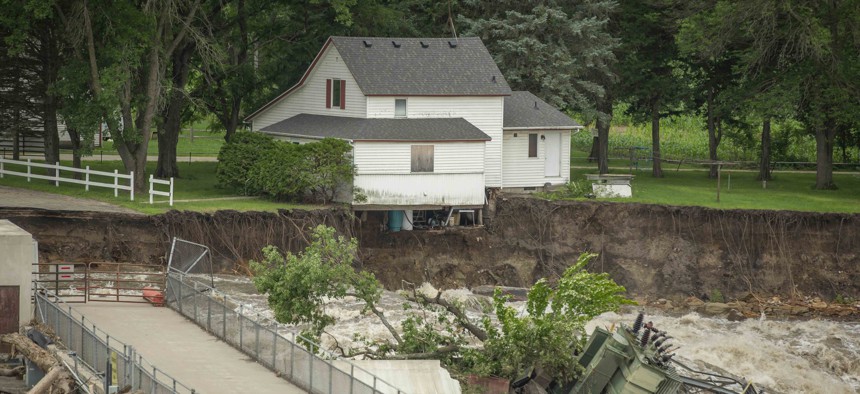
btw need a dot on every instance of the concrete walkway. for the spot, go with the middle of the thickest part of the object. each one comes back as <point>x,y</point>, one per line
<point>11,197</point>
<point>183,350</point>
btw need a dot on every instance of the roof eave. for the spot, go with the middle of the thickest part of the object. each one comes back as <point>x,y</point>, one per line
<point>542,128</point>
<point>431,140</point>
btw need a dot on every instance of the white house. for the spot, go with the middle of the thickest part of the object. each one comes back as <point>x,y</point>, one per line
<point>432,121</point>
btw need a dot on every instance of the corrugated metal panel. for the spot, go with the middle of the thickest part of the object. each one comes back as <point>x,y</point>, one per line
<point>522,171</point>
<point>486,113</point>
<point>395,157</point>
<point>310,98</point>
<point>422,189</point>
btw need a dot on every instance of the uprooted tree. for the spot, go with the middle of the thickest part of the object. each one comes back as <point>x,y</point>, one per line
<point>505,342</point>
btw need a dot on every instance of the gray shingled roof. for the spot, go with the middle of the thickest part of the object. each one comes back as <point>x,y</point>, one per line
<point>523,109</point>
<point>383,69</point>
<point>358,129</point>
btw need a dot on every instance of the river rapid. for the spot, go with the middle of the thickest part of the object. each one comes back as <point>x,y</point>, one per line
<point>781,356</point>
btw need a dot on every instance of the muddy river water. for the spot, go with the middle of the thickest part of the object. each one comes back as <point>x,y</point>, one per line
<point>810,356</point>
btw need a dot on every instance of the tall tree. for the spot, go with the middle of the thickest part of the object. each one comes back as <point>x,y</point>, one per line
<point>559,50</point>
<point>815,44</point>
<point>126,48</point>
<point>648,63</point>
<point>33,43</point>
<point>711,59</point>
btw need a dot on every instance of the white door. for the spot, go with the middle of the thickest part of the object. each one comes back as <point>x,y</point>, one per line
<point>552,147</point>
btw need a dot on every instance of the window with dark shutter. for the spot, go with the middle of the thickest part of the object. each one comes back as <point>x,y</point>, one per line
<point>342,94</point>
<point>328,93</point>
<point>336,97</point>
<point>532,145</point>
<point>422,158</point>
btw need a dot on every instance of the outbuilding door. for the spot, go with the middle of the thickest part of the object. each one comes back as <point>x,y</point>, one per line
<point>8,312</point>
<point>552,147</point>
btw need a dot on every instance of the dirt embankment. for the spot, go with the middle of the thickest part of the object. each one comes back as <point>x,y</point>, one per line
<point>655,251</point>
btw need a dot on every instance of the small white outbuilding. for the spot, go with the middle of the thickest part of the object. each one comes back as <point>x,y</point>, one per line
<point>18,253</point>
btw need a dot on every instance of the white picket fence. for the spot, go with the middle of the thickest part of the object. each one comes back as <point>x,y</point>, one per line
<point>123,182</point>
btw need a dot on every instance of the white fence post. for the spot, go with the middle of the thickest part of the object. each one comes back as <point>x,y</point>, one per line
<point>115,183</point>
<point>57,176</point>
<point>132,184</point>
<point>87,179</point>
<point>171,191</point>
<point>28,170</point>
<point>1,168</point>
<point>151,188</point>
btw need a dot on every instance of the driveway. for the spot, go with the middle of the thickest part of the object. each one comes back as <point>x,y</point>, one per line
<point>11,197</point>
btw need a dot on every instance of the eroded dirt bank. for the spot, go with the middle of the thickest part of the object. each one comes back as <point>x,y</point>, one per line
<point>656,251</point>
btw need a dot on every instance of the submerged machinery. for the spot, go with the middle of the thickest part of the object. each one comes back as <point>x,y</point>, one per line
<point>634,360</point>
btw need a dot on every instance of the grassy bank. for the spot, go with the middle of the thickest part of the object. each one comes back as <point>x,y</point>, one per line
<point>739,190</point>
<point>196,190</point>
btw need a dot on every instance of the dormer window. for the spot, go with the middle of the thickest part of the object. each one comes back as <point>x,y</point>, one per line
<point>335,93</point>
<point>400,108</point>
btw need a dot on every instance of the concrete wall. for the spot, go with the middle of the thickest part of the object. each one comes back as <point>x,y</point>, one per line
<point>17,254</point>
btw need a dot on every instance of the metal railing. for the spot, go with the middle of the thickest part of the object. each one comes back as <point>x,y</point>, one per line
<point>118,363</point>
<point>295,359</point>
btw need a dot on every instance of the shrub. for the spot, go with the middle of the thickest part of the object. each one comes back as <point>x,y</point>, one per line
<point>238,157</point>
<point>280,172</point>
<point>254,164</point>
<point>328,166</point>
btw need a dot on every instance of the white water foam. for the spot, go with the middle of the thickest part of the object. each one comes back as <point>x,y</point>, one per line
<point>814,356</point>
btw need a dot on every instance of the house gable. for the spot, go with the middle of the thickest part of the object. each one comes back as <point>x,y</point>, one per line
<point>327,75</point>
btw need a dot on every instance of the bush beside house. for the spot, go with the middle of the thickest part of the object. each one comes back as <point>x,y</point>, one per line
<point>255,164</point>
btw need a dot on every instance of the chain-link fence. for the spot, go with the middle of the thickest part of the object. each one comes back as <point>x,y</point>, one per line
<point>117,362</point>
<point>187,257</point>
<point>294,359</point>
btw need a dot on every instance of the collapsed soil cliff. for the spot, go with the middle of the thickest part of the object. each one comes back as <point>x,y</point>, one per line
<point>653,250</point>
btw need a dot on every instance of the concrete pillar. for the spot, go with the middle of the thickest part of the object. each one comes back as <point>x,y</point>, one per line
<point>18,253</point>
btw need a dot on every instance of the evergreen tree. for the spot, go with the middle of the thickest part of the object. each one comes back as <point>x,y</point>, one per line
<point>559,50</point>
<point>648,62</point>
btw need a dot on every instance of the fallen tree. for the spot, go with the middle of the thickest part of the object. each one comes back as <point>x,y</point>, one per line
<point>57,379</point>
<point>503,343</point>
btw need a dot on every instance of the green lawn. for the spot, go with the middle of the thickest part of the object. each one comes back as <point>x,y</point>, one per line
<point>689,186</point>
<point>197,183</point>
<point>787,191</point>
<point>204,143</point>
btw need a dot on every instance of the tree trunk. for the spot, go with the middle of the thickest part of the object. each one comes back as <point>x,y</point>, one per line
<point>604,122</point>
<point>657,169</point>
<point>57,379</point>
<point>49,55</point>
<point>168,135</point>
<point>16,140</point>
<point>824,137</point>
<point>76,149</point>
<point>594,154</point>
<point>713,142</point>
<point>764,168</point>
<point>233,123</point>
<point>51,133</point>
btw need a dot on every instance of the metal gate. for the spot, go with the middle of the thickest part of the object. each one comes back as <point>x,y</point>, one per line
<point>121,282</point>
<point>100,282</point>
<point>67,280</point>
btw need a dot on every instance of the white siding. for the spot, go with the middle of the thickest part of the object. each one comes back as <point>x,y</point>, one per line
<point>464,189</point>
<point>485,113</point>
<point>385,177</point>
<point>396,157</point>
<point>310,97</point>
<point>522,171</point>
